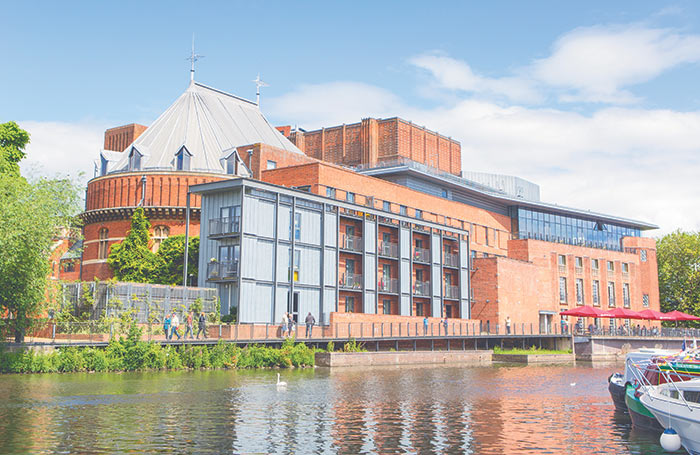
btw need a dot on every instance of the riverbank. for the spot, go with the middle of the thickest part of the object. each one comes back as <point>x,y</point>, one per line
<point>133,354</point>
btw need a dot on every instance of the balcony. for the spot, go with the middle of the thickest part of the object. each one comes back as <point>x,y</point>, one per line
<point>351,243</point>
<point>389,249</point>
<point>451,292</point>
<point>224,227</point>
<point>390,285</point>
<point>595,272</point>
<point>450,260</point>
<point>579,270</point>
<point>222,271</point>
<point>421,288</point>
<point>421,255</point>
<point>562,269</point>
<point>350,281</point>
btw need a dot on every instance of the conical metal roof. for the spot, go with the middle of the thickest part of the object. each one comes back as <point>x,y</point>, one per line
<point>208,123</point>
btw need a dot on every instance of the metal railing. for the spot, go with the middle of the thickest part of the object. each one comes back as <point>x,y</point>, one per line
<point>562,269</point>
<point>389,249</point>
<point>224,226</point>
<point>450,260</point>
<point>451,292</point>
<point>388,285</point>
<point>350,281</point>
<point>351,242</point>
<point>222,271</point>
<point>421,288</point>
<point>421,255</point>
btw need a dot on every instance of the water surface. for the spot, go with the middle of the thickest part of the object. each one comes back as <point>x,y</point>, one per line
<point>428,409</point>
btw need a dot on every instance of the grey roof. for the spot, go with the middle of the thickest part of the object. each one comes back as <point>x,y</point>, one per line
<point>74,252</point>
<point>210,124</point>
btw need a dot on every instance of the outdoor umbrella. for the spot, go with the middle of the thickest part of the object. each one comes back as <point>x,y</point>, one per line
<point>582,312</point>
<point>681,316</point>
<point>623,313</point>
<point>651,314</point>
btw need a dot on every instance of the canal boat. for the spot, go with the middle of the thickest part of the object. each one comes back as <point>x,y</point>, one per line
<point>617,382</point>
<point>676,405</point>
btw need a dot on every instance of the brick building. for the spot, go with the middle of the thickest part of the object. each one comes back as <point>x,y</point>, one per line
<point>391,225</point>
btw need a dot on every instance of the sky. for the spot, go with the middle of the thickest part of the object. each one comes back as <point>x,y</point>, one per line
<point>597,102</point>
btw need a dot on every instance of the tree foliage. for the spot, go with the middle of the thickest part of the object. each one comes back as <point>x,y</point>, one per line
<point>13,140</point>
<point>172,253</point>
<point>678,256</point>
<point>31,212</point>
<point>131,259</point>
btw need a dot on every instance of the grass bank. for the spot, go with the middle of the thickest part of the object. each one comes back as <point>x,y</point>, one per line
<point>531,351</point>
<point>131,354</point>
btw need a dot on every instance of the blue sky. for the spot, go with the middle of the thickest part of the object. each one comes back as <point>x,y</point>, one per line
<point>597,102</point>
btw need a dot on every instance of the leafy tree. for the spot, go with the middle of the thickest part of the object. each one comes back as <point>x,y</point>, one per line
<point>131,259</point>
<point>678,256</point>
<point>13,140</point>
<point>30,213</point>
<point>172,252</point>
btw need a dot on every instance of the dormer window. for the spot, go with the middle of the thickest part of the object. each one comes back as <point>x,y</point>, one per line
<point>232,164</point>
<point>103,165</point>
<point>134,159</point>
<point>182,159</point>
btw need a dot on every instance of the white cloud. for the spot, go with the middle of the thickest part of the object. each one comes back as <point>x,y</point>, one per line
<point>58,148</point>
<point>594,64</point>
<point>634,163</point>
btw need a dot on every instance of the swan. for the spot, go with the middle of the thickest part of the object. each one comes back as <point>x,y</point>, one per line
<point>281,384</point>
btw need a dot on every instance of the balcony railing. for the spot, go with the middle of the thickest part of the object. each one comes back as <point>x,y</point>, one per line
<point>562,269</point>
<point>222,271</point>
<point>451,292</point>
<point>351,242</point>
<point>389,249</point>
<point>579,270</point>
<point>451,260</point>
<point>220,227</point>
<point>595,272</point>
<point>421,255</point>
<point>421,288</point>
<point>388,285</point>
<point>351,281</point>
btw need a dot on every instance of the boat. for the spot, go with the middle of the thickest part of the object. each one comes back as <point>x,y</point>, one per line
<point>617,382</point>
<point>676,405</point>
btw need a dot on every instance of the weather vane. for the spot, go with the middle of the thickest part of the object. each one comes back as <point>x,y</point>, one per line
<point>193,58</point>
<point>258,83</point>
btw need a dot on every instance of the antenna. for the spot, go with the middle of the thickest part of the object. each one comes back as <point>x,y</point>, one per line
<point>193,58</point>
<point>259,83</point>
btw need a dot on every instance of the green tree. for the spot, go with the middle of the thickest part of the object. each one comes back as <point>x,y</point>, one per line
<point>30,213</point>
<point>131,259</point>
<point>13,140</point>
<point>678,257</point>
<point>172,253</point>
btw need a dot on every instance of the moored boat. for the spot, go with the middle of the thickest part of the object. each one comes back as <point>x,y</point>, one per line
<point>617,382</point>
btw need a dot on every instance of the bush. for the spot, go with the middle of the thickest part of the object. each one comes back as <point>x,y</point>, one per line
<point>95,359</point>
<point>330,346</point>
<point>172,358</point>
<point>45,363</point>
<point>70,359</point>
<point>115,352</point>
<point>354,346</point>
<point>155,357</point>
<point>256,356</point>
<point>228,318</point>
<point>224,355</point>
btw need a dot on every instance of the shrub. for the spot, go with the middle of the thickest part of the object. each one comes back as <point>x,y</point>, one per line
<point>45,363</point>
<point>224,355</point>
<point>70,359</point>
<point>330,347</point>
<point>172,358</point>
<point>354,346</point>
<point>256,356</point>
<point>155,357</point>
<point>228,318</point>
<point>95,359</point>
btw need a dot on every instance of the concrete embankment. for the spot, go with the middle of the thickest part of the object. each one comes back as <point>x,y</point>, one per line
<point>347,359</point>
<point>534,358</point>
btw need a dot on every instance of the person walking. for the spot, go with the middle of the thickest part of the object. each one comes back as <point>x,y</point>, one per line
<point>174,324</point>
<point>444,324</point>
<point>202,325</point>
<point>290,323</point>
<point>285,321</point>
<point>190,323</point>
<point>425,325</point>
<point>507,325</point>
<point>310,321</point>
<point>166,326</point>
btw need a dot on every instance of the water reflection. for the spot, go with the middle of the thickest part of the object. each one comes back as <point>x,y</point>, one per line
<point>485,410</point>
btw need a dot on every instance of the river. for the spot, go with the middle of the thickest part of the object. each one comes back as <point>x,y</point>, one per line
<point>427,409</point>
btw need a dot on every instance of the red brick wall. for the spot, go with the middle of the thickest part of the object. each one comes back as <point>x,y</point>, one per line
<point>121,137</point>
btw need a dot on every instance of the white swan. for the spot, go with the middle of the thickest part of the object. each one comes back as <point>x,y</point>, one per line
<point>280,384</point>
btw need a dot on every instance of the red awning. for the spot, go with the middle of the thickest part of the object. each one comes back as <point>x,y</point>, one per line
<point>582,312</point>
<point>622,313</point>
<point>676,315</point>
<point>651,314</point>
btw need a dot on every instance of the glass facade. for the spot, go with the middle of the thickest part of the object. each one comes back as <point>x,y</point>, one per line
<point>551,227</point>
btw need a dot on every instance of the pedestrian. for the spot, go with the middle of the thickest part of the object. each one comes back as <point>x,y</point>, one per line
<point>190,323</point>
<point>563,326</point>
<point>166,326</point>
<point>310,321</point>
<point>285,321</point>
<point>425,325</point>
<point>290,323</point>
<point>174,323</point>
<point>507,325</point>
<point>444,324</point>
<point>202,322</point>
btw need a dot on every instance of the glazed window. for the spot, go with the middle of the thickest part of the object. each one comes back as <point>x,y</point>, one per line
<point>103,243</point>
<point>160,233</point>
<point>134,159</point>
<point>182,160</point>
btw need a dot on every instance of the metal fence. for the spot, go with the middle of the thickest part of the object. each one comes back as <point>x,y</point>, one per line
<point>92,300</point>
